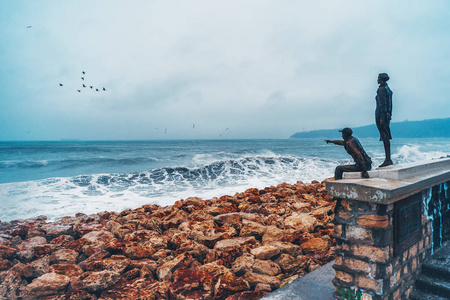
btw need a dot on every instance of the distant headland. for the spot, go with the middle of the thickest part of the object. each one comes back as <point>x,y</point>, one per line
<point>439,128</point>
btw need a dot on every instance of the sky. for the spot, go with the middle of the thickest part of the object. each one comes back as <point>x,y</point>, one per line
<point>208,69</point>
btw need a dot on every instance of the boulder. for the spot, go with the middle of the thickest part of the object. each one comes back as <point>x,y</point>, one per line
<point>301,221</point>
<point>64,256</point>
<point>248,295</point>
<point>36,268</point>
<point>314,245</point>
<point>235,243</point>
<point>99,281</point>
<point>69,270</point>
<point>255,278</point>
<point>139,288</point>
<point>243,264</point>
<point>251,228</point>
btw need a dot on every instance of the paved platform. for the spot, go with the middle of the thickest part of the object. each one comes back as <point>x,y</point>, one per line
<point>313,286</point>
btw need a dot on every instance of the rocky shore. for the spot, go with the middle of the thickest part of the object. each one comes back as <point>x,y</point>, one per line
<point>232,247</point>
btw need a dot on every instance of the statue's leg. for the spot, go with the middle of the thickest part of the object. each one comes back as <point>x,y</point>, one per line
<point>346,168</point>
<point>387,152</point>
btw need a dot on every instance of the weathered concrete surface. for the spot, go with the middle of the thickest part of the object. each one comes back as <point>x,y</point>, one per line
<point>313,286</point>
<point>389,184</point>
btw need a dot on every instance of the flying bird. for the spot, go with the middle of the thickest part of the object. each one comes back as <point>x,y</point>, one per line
<point>165,131</point>
<point>193,126</point>
<point>28,26</point>
<point>83,72</point>
<point>96,90</point>
<point>79,91</point>
<point>227,129</point>
<point>60,84</point>
<point>104,89</point>
<point>91,86</point>
<point>82,78</point>
<point>84,85</point>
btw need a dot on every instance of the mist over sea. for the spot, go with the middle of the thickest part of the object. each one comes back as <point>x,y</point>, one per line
<point>63,178</point>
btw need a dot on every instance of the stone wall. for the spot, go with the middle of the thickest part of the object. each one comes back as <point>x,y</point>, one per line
<point>365,263</point>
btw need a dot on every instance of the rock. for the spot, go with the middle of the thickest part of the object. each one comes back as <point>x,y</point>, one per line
<point>139,263</point>
<point>181,261</point>
<point>301,221</point>
<point>134,251</point>
<point>6,252</point>
<point>249,295</point>
<point>302,207</point>
<point>265,252</point>
<point>5,264</point>
<point>273,233</point>
<point>228,284</point>
<point>243,264</point>
<point>25,251</point>
<point>99,281</point>
<point>42,250</point>
<point>80,228</point>
<point>53,230</point>
<point>215,269</point>
<point>36,268</point>
<point>266,267</point>
<point>164,274</point>
<point>47,284</point>
<point>69,270</point>
<point>252,229</point>
<point>97,241</point>
<point>140,288</point>
<point>263,287</point>
<point>64,256</point>
<point>314,245</point>
<point>235,243</point>
<point>10,285</point>
<point>254,279</point>
<point>92,262</point>
<point>75,245</point>
<point>288,248</point>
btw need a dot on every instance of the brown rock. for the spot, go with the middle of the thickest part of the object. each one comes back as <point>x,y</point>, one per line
<point>235,243</point>
<point>181,261</point>
<point>266,267</point>
<point>69,270</point>
<point>92,262</point>
<point>215,269</point>
<point>289,248</point>
<point>5,264</point>
<point>10,285</point>
<point>243,264</point>
<point>139,263</point>
<point>252,229</point>
<point>97,241</point>
<point>53,230</point>
<point>265,252</point>
<point>47,284</point>
<point>188,284</point>
<point>42,250</point>
<point>140,288</point>
<point>6,252</point>
<point>374,221</point>
<point>99,281</point>
<point>301,221</point>
<point>36,268</point>
<point>76,244</point>
<point>228,284</point>
<point>140,235</point>
<point>134,251</point>
<point>302,207</point>
<point>25,251</point>
<point>254,279</point>
<point>314,245</point>
<point>263,287</point>
<point>64,256</point>
<point>275,234</point>
<point>248,295</point>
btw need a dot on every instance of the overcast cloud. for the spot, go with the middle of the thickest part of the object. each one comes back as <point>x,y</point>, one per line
<point>263,69</point>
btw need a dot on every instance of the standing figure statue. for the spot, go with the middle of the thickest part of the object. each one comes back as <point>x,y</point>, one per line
<point>383,114</point>
<point>353,147</point>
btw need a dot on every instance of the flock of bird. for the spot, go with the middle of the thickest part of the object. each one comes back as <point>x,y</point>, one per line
<point>85,86</point>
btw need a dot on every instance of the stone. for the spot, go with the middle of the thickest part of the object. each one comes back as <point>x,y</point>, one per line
<point>252,229</point>
<point>235,243</point>
<point>47,284</point>
<point>64,256</point>
<point>229,284</point>
<point>36,268</point>
<point>266,267</point>
<point>53,230</point>
<point>343,276</point>
<point>99,281</point>
<point>301,221</point>
<point>75,245</point>
<point>10,285</point>
<point>375,254</point>
<point>69,270</point>
<point>7,252</point>
<point>254,279</point>
<point>284,247</point>
<point>263,287</point>
<point>140,288</point>
<point>5,264</point>
<point>274,233</point>
<point>187,281</point>
<point>248,295</point>
<point>378,221</point>
<point>314,245</point>
<point>302,207</point>
<point>265,252</point>
<point>243,264</point>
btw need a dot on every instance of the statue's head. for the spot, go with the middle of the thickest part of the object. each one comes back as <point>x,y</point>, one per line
<point>383,77</point>
<point>346,132</point>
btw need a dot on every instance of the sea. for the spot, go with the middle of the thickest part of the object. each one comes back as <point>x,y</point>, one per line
<point>62,178</point>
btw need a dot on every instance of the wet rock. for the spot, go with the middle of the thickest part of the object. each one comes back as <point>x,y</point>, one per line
<point>229,284</point>
<point>75,245</point>
<point>5,264</point>
<point>10,285</point>
<point>190,283</point>
<point>45,285</point>
<point>265,252</point>
<point>140,288</point>
<point>7,252</point>
<point>25,251</point>
<point>181,261</point>
<point>53,230</point>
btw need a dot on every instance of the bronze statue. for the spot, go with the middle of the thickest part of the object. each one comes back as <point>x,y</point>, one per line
<point>353,147</point>
<point>383,114</point>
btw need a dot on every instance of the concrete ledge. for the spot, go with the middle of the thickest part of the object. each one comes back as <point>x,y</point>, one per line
<point>389,184</point>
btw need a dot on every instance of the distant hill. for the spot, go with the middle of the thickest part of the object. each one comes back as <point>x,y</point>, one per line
<point>407,129</point>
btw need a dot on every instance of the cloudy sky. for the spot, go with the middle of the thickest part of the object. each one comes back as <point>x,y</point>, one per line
<point>262,69</point>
